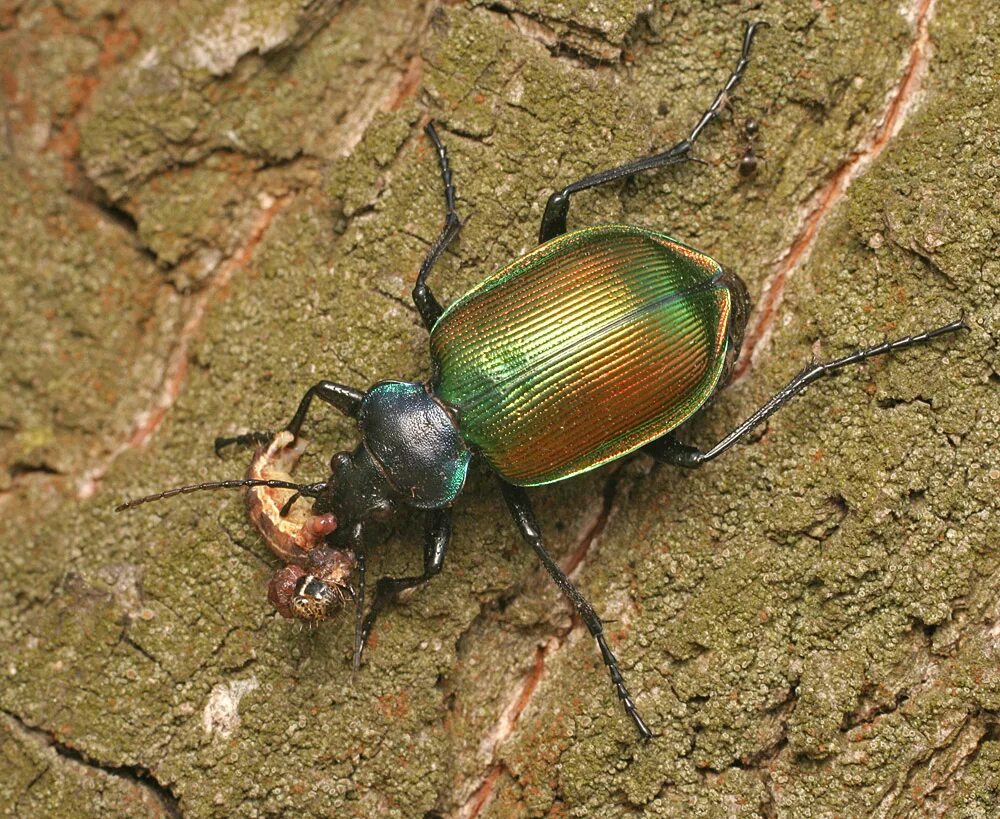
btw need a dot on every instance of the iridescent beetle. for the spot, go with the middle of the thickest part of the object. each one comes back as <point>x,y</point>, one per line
<point>598,343</point>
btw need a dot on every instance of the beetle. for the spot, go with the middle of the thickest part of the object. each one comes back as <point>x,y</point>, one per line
<point>598,343</point>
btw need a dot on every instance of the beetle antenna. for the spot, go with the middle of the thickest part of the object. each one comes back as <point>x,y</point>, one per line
<point>309,490</point>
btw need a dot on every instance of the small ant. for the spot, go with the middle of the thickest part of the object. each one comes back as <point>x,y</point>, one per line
<point>748,164</point>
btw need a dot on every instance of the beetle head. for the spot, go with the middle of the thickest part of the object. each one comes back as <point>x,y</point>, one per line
<point>356,492</point>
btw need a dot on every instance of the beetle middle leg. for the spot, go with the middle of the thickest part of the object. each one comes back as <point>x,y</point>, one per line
<point>669,450</point>
<point>427,305</point>
<point>557,208</point>
<point>346,399</point>
<point>524,517</point>
<point>437,533</point>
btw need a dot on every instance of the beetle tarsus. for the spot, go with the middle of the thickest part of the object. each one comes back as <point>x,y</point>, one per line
<point>731,83</point>
<point>427,305</point>
<point>557,208</point>
<point>257,438</point>
<point>619,683</point>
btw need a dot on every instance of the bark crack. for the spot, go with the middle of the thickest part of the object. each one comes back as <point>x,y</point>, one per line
<point>602,52</point>
<point>504,728</point>
<point>137,776</point>
<point>901,101</point>
<point>175,369</point>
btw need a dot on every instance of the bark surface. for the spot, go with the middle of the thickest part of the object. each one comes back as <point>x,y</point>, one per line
<point>206,208</point>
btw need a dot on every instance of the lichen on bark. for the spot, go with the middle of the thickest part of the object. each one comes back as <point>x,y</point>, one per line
<point>209,207</point>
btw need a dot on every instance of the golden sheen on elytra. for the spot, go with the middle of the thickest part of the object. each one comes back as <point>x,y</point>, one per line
<point>592,345</point>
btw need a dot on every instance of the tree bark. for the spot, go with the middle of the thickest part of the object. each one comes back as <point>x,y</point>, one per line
<point>209,207</point>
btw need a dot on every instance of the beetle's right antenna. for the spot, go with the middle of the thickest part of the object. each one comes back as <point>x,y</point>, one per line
<point>310,490</point>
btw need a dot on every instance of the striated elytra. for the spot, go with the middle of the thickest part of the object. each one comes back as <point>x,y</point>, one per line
<point>598,343</point>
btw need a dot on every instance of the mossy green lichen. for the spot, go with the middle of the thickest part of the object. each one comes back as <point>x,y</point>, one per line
<point>808,624</point>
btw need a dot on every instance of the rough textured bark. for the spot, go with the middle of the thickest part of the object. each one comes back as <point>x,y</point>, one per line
<point>210,206</point>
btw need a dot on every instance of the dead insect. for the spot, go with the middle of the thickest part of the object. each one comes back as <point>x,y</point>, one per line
<point>290,529</point>
<point>316,583</point>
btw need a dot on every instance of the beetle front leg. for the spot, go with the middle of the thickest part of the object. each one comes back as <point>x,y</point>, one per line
<point>437,533</point>
<point>427,305</point>
<point>346,399</point>
<point>557,208</point>
<point>520,509</point>
<point>669,450</point>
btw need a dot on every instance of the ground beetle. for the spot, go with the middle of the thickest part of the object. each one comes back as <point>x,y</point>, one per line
<point>598,343</point>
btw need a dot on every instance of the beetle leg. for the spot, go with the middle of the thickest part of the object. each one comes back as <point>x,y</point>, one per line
<point>671,451</point>
<point>255,438</point>
<point>524,517</point>
<point>359,598</point>
<point>429,308</point>
<point>437,533</point>
<point>346,399</point>
<point>557,208</point>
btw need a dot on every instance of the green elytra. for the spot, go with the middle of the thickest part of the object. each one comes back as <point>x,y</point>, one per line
<point>587,348</point>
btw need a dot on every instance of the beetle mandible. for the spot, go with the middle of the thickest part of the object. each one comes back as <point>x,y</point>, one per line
<point>598,343</point>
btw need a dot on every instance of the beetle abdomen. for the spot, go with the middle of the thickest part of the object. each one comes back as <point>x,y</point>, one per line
<point>590,346</point>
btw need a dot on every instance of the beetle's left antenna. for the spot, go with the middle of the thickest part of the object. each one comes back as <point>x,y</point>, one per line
<point>310,490</point>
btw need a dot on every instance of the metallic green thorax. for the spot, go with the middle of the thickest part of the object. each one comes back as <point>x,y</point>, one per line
<point>588,347</point>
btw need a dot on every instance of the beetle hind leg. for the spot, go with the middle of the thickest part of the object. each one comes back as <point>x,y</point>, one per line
<point>557,208</point>
<point>520,509</point>
<point>427,305</point>
<point>669,450</point>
